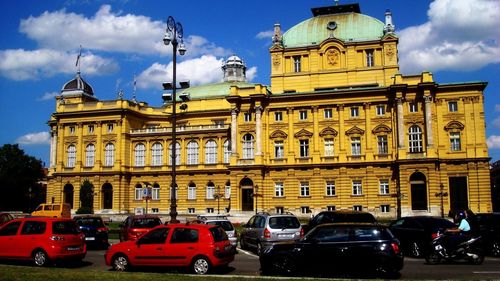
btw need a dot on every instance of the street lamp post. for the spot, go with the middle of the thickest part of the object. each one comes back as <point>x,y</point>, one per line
<point>174,35</point>
<point>441,194</point>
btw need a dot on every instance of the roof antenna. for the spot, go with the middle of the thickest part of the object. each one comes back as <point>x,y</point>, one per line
<point>336,2</point>
<point>77,64</point>
<point>135,88</point>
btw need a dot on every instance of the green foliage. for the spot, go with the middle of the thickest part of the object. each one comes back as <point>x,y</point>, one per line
<point>86,195</point>
<point>84,210</point>
<point>19,173</point>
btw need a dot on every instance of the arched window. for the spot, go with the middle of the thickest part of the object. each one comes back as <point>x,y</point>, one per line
<point>138,192</point>
<point>157,154</point>
<point>227,190</point>
<point>156,192</point>
<point>109,155</point>
<point>71,152</point>
<point>227,151</point>
<point>418,186</point>
<point>415,139</point>
<point>211,152</point>
<point>107,196</point>
<point>192,153</point>
<point>89,155</point>
<point>248,146</point>
<point>192,191</point>
<point>140,153</point>
<point>68,194</point>
<point>210,190</point>
<point>177,154</point>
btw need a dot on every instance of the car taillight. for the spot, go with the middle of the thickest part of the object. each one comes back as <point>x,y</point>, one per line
<point>395,247</point>
<point>267,233</point>
<point>301,232</point>
<point>102,229</point>
<point>435,235</point>
<point>56,238</point>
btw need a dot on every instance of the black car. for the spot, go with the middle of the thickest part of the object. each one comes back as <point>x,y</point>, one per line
<point>329,249</point>
<point>339,216</point>
<point>415,233</point>
<point>95,230</point>
<point>489,229</point>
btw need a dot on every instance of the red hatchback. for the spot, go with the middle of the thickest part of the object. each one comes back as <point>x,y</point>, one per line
<point>136,225</point>
<point>42,240</point>
<point>199,247</point>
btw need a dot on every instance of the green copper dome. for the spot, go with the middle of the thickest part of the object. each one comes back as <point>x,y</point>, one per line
<point>348,27</point>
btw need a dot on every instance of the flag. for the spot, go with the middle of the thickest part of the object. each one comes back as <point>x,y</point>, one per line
<point>78,57</point>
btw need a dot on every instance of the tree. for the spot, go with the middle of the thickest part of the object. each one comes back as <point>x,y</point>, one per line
<point>86,197</point>
<point>19,176</point>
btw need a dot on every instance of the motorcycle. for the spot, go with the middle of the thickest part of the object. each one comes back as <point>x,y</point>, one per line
<point>468,250</point>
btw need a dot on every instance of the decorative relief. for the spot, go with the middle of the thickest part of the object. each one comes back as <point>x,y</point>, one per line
<point>454,125</point>
<point>333,57</point>
<point>328,131</point>
<point>276,60</point>
<point>303,133</point>
<point>355,131</point>
<point>390,51</point>
<point>278,135</point>
<point>382,129</point>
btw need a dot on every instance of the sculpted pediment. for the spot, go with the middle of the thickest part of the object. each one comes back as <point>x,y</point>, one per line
<point>328,131</point>
<point>303,133</point>
<point>355,131</point>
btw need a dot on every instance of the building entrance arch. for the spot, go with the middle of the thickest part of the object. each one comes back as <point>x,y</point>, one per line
<point>68,193</point>
<point>418,186</point>
<point>246,186</point>
<point>107,196</point>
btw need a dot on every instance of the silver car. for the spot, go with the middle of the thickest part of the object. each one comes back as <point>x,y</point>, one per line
<point>223,222</point>
<point>264,230</point>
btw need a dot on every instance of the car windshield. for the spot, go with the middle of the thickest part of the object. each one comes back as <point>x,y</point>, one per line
<point>65,227</point>
<point>146,223</point>
<point>219,234</point>
<point>95,222</point>
<point>226,225</point>
<point>283,222</point>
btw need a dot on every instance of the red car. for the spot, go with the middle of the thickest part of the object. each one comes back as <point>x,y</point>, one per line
<point>42,240</point>
<point>199,247</point>
<point>5,217</point>
<point>136,225</point>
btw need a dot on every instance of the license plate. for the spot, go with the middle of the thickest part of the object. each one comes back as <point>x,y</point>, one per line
<point>89,238</point>
<point>73,248</point>
<point>438,247</point>
<point>285,236</point>
<point>228,248</point>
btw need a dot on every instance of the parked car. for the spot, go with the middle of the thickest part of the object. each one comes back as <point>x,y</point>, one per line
<point>57,210</point>
<point>264,230</point>
<point>200,247</point>
<point>416,232</point>
<point>489,229</point>
<point>223,222</point>
<point>136,225</point>
<point>333,248</point>
<point>5,217</point>
<point>95,230</point>
<point>339,216</point>
<point>42,240</point>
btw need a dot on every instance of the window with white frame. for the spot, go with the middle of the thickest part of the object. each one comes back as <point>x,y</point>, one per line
<point>71,130</point>
<point>331,208</point>
<point>296,63</point>
<point>327,113</point>
<point>210,190</point>
<point>302,114</point>
<point>413,106</point>
<point>355,146</point>
<point>227,151</point>
<point>210,210</point>
<point>305,209</point>
<point>227,190</point>
<point>278,116</point>
<point>304,148</point>
<point>279,209</point>
<point>91,129</point>
<point>110,128</point>
<point>247,117</point>
<point>192,152</point>
<point>370,60</point>
<point>357,208</point>
<point>357,187</point>
<point>138,192</point>
<point>329,147</point>
<point>191,191</point>
<point>354,111</point>
<point>383,187</point>
<point>380,110</point>
<point>452,106</point>
<point>385,208</point>
<point>177,154</point>
<point>455,141</point>
<point>415,139</point>
<point>279,149</point>
<point>157,154</point>
<point>191,210</point>
<point>382,145</point>
<point>279,190</point>
<point>109,155</point>
<point>211,152</point>
<point>71,152</point>
<point>155,192</point>
<point>89,155</point>
<point>139,155</point>
<point>330,188</point>
<point>248,146</point>
<point>304,188</point>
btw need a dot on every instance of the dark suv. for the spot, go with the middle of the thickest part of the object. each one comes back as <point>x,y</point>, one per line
<point>339,216</point>
<point>95,230</point>
<point>264,230</point>
<point>489,229</point>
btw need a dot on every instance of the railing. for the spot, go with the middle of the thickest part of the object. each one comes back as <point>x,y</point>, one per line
<point>153,130</point>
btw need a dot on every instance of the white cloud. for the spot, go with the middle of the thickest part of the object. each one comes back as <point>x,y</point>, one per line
<point>268,34</point>
<point>21,64</point>
<point>493,142</point>
<point>497,107</point>
<point>34,138</point>
<point>460,35</point>
<point>48,96</point>
<point>496,123</point>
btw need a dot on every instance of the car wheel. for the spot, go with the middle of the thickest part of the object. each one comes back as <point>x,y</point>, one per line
<point>495,248</point>
<point>477,257</point>
<point>40,258</point>
<point>283,265</point>
<point>200,265</point>
<point>433,258</point>
<point>415,250</point>
<point>120,263</point>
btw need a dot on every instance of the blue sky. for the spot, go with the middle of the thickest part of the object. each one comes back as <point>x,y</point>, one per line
<point>457,40</point>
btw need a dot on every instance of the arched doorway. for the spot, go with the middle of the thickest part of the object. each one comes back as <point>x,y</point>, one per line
<point>68,193</point>
<point>107,196</point>
<point>418,191</point>
<point>246,186</point>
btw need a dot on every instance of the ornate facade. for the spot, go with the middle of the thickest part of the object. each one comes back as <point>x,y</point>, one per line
<point>339,128</point>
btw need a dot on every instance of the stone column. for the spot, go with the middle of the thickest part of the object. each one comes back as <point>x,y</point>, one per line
<point>234,115</point>
<point>53,148</point>
<point>401,133</point>
<point>258,130</point>
<point>428,121</point>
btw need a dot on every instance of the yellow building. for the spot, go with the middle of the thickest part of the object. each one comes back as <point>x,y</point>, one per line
<point>339,128</point>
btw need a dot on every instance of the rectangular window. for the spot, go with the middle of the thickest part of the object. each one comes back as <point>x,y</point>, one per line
<point>354,111</point>
<point>357,208</point>
<point>280,210</point>
<point>191,210</point>
<point>138,194</point>
<point>385,208</point>
<point>380,110</point>
<point>330,208</point>
<point>370,61</point>
<point>110,128</point>
<point>330,188</point>
<point>382,145</point>
<point>328,147</point>
<point>296,63</point>
<point>154,210</point>
<point>383,187</point>
<point>210,192</point>
<point>278,116</point>
<point>71,130</point>
<point>455,141</point>
<point>91,129</point>
<point>355,146</point>
<point>247,116</point>
<point>210,210</point>
<point>279,149</point>
<point>279,190</point>
<point>191,192</point>
<point>156,193</point>
<point>304,188</point>
<point>357,187</point>
<point>303,115</point>
<point>413,107</point>
<point>328,113</point>
<point>453,106</point>
<point>305,210</point>
<point>304,148</point>
<point>227,192</point>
